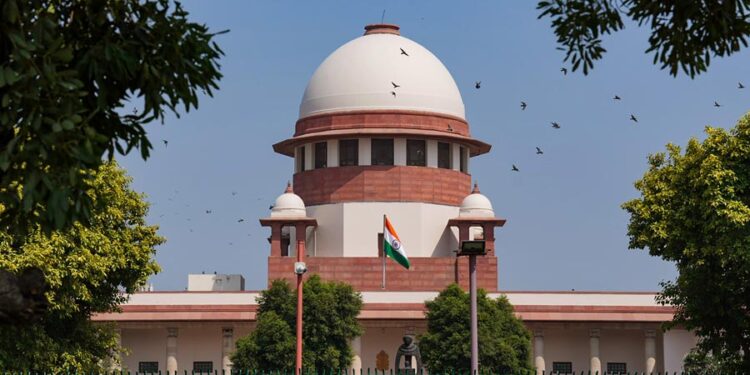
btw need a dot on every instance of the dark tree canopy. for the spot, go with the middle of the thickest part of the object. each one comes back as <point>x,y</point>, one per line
<point>87,267</point>
<point>504,342</point>
<point>71,73</point>
<point>694,210</point>
<point>685,35</point>
<point>329,324</point>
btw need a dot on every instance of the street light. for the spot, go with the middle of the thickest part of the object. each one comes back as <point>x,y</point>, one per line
<point>472,249</point>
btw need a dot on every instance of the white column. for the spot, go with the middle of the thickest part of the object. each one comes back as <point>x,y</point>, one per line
<point>357,351</point>
<point>227,347</point>
<point>399,151</point>
<point>432,153</point>
<point>455,157</point>
<point>365,151</point>
<point>172,350</point>
<point>539,352</point>
<point>596,363</point>
<point>650,350</point>
<point>309,154</point>
<point>333,153</point>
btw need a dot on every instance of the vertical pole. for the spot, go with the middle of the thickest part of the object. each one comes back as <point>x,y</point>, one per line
<point>300,234</point>
<point>382,284</point>
<point>474,328</point>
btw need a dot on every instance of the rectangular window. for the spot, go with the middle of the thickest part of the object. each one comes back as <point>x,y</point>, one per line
<point>321,155</point>
<point>148,367</point>
<point>382,151</point>
<point>301,159</point>
<point>416,152</point>
<point>203,367</point>
<point>562,367</point>
<point>444,155</point>
<point>617,367</point>
<point>462,155</point>
<point>348,152</point>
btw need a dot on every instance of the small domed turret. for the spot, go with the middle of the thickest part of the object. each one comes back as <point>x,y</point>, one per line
<point>476,205</point>
<point>288,205</point>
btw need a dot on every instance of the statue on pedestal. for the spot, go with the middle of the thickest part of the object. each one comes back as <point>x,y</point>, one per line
<point>408,350</point>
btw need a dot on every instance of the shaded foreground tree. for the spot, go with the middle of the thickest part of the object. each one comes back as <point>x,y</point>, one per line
<point>70,74</point>
<point>684,34</point>
<point>87,268</point>
<point>694,210</point>
<point>504,342</point>
<point>329,324</point>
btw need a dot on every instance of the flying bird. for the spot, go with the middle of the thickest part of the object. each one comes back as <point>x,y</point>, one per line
<point>234,193</point>
<point>716,104</point>
<point>740,85</point>
<point>395,86</point>
<point>478,84</point>
<point>403,52</point>
<point>393,93</point>
<point>514,169</point>
<point>270,207</point>
<point>523,106</point>
<point>539,151</point>
<point>450,128</point>
<point>616,98</point>
<point>166,142</point>
<point>240,220</point>
<point>633,118</point>
<point>564,71</point>
<point>208,211</point>
<point>555,125</point>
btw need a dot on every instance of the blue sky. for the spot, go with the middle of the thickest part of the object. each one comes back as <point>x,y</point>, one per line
<point>565,227</point>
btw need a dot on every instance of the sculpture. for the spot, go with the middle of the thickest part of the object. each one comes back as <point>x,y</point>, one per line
<point>408,350</point>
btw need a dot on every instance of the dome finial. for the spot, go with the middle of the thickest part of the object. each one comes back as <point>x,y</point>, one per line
<point>476,188</point>
<point>289,187</point>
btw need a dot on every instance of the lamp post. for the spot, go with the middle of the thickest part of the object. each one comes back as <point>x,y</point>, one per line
<point>472,249</point>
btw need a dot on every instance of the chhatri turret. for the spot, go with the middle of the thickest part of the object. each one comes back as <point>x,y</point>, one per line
<point>382,131</point>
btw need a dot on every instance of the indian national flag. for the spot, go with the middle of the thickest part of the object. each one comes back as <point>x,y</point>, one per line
<point>392,245</point>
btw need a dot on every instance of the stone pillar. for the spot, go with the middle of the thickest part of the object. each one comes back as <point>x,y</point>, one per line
<point>595,364</point>
<point>171,350</point>
<point>357,351</point>
<point>539,352</point>
<point>276,240</point>
<point>227,347</point>
<point>489,238</point>
<point>650,350</point>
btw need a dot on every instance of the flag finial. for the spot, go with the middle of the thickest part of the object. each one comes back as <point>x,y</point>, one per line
<point>289,187</point>
<point>476,188</point>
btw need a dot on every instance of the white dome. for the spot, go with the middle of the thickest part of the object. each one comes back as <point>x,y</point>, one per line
<point>288,205</point>
<point>476,205</point>
<point>358,76</point>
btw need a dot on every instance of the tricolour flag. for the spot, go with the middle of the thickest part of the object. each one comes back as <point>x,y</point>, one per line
<point>392,245</point>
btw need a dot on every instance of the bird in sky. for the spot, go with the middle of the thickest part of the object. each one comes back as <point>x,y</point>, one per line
<point>240,220</point>
<point>523,106</point>
<point>740,85</point>
<point>450,128</point>
<point>403,52</point>
<point>191,230</point>
<point>564,71</point>
<point>633,118</point>
<point>716,104</point>
<point>208,211</point>
<point>478,84</point>
<point>514,169</point>
<point>539,151</point>
<point>555,125</point>
<point>270,207</point>
<point>393,93</point>
<point>395,86</point>
<point>616,98</point>
<point>234,193</point>
<point>166,142</point>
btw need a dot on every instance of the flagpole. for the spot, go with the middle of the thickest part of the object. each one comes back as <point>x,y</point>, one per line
<point>382,244</point>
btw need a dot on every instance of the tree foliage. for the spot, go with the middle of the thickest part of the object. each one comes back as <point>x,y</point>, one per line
<point>70,72</point>
<point>694,210</point>
<point>88,268</point>
<point>684,34</point>
<point>504,342</point>
<point>329,324</point>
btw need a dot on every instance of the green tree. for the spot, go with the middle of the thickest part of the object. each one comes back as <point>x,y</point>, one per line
<point>504,342</point>
<point>684,34</point>
<point>694,210</point>
<point>89,269</point>
<point>329,324</point>
<point>70,73</point>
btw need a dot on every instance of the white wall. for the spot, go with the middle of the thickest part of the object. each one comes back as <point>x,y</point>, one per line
<point>677,344</point>
<point>202,282</point>
<point>399,151</point>
<point>351,229</point>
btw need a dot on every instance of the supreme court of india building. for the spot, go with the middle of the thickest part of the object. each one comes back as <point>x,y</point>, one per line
<point>364,148</point>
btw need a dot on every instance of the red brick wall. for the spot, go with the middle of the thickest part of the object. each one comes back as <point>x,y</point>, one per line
<point>365,274</point>
<point>382,184</point>
<point>384,119</point>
